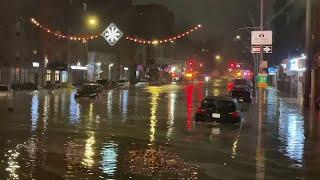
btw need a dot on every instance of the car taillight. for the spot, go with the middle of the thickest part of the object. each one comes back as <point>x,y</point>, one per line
<point>230,86</point>
<point>200,110</point>
<point>235,114</point>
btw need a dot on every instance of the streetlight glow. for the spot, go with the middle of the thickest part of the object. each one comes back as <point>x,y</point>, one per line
<point>92,22</point>
<point>238,37</point>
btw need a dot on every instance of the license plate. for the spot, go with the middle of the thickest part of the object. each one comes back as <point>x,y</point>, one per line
<point>216,115</point>
<point>240,100</point>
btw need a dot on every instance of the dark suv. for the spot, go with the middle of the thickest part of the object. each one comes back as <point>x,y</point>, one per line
<point>219,109</point>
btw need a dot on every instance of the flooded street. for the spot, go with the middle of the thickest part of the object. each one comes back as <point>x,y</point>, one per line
<point>149,133</point>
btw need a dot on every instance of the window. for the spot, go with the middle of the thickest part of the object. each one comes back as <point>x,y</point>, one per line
<point>57,76</point>
<point>48,75</point>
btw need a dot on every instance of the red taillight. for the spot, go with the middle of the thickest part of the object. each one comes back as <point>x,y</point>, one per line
<point>200,110</point>
<point>235,114</point>
<point>230,86</point>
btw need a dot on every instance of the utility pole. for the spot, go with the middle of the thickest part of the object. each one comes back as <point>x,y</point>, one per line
<point>261,29</point>
<point>308,99</point>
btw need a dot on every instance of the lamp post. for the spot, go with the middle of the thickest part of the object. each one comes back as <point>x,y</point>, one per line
<point>92,23</point>
<point>109,71</point>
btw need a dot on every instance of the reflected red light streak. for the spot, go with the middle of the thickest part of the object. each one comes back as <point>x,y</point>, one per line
<point>189,94</point>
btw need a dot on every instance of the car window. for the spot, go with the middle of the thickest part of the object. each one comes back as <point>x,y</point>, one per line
<point>221,106</point>
<point>240,82</point>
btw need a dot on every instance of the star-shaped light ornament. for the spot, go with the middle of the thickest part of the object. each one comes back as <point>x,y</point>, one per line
<point>112,34</point>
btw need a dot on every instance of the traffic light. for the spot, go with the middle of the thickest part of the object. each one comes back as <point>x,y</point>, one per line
<point>201,65</point>
<point>232,65</point>
<point>190,63</point>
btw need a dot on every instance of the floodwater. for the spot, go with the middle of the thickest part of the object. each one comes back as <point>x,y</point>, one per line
<point>149,133</point>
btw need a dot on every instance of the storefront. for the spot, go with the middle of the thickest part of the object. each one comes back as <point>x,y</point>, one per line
<point>296,70</point>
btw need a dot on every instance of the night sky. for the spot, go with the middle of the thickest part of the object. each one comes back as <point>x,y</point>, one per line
<point>220,17</point>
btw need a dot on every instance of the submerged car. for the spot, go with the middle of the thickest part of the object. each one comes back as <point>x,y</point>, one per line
<point>242,93</point>
<point>123,83</point>
<point>219,109</point>
<point>242,82</point>
<point>91,90</point>
<point>5,91</point>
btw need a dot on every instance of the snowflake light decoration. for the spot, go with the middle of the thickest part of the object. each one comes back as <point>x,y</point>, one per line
<point>112,34</point>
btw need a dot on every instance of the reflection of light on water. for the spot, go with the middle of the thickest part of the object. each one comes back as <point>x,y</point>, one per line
<point>109,158</point>
<point>63,102</point>
<point>46,108</point>
<point>216,92</point>
<point>159,162</point>
<point>90,113</point>
<point>74,110</point>
<point>189,94</point>
<point>89,151</point>
<point>155,92</point>
<point>32,149</point>
<point>171,115</point>
<point>235,147</point>
<point>124,102</point>
<point>292,134</point>
<point>34,112</point>
<point>56,104</point>
<point>13,164</point>
<point>109,103</point>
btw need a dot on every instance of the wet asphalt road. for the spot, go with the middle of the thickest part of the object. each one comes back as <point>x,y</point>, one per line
<point>149,133</point>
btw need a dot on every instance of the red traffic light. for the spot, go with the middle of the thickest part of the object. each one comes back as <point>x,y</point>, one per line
<point>201,65</point>
<point>232,65</point>
<point>190,63</point>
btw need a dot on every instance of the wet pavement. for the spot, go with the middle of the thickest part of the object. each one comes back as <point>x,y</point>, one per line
<point>149,133</point>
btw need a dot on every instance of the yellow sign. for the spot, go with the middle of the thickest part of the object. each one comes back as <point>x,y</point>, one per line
<point>262,85</point>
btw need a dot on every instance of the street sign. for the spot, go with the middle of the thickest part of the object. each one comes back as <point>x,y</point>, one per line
<point>272,71</point>
<point>263,64</point>
<point>267,49</point>
<point>262,80</point>
<point>112,34</point>
<point>256,49</point>
<point>261,37</point>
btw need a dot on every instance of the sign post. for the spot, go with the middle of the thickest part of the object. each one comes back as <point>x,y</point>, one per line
<point>262,81</point>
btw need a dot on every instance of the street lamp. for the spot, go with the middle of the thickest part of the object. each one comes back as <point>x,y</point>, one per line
<point>238,37</point>
<point>218,58</point>
<point>92,22</point>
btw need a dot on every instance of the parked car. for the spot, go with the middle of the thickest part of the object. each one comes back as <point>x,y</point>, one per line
<point>220,109</point>
<point>243,82</point>
<point>242,94</point>
<point>142,83</point>
<point>91,90</point>
<point>5,91</point>
<point>123,84</point>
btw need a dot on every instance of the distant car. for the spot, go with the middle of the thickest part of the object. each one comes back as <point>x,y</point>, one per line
<point>5,91</point>
<point>91,90</point>
<point>123,84</point>
<point>142,83</point>
<point>220,109</point>
<point>243,94</point>
<point>243,82</point>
